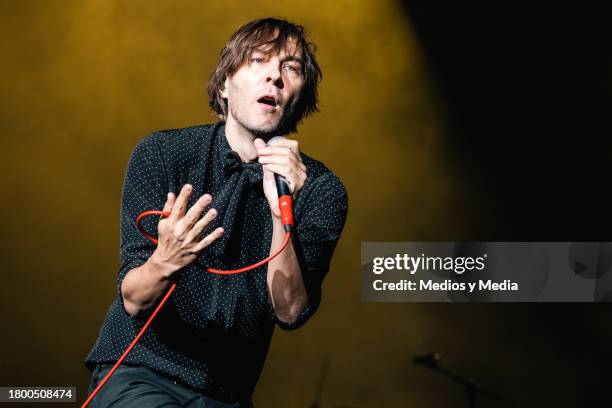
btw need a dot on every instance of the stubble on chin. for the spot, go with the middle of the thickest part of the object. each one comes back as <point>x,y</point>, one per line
<point>264,131</point>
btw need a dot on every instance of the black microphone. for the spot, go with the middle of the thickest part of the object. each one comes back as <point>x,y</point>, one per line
<point>285,199</point>
<point>282,187</point>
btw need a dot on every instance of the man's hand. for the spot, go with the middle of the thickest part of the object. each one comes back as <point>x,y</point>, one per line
<point>281,156</point>
<point>180,241</point>
<point>284,277</point>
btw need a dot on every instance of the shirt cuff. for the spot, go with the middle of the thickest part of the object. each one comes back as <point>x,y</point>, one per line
<point>299,322</point>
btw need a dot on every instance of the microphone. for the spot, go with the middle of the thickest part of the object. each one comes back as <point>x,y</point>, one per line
<point>285,200</point>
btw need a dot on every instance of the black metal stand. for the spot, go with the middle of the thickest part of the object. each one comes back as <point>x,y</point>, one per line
<point>472,388</point>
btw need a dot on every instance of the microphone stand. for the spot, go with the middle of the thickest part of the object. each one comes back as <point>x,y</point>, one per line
<point>319,390</point>
<point>472,388</point>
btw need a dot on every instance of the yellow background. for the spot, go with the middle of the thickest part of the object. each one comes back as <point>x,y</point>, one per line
<point>84,81</point>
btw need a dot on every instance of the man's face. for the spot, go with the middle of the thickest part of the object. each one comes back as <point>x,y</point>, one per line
<point>263,93</point>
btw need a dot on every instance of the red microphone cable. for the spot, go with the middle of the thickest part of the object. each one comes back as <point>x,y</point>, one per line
<point>285,204</point>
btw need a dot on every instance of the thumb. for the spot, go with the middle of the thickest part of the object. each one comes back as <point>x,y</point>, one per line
<point>259,143</point>
<point>267,173</point>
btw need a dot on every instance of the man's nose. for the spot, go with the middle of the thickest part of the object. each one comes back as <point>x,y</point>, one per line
<point>274,75</point>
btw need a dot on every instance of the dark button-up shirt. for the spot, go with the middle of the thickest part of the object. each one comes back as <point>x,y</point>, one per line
<point>214,332</point>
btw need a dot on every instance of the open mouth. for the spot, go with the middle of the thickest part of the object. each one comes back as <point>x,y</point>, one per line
<point>267,100</point>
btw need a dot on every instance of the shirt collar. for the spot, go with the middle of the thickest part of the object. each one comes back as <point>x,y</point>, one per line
<point>231,162</point>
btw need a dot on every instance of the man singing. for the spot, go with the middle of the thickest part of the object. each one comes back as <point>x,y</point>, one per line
<point>207,346</point>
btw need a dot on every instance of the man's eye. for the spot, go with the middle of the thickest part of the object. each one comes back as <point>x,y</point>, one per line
<point>257,60</point>
<point>291,68</point>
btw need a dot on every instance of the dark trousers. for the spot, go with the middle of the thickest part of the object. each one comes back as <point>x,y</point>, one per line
<point>141,387</point>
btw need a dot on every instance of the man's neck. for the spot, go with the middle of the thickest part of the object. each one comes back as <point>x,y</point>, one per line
<point>240,140</point>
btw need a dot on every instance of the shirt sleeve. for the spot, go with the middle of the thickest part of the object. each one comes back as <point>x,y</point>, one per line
<point>145,187</point>
<point>318,232</point>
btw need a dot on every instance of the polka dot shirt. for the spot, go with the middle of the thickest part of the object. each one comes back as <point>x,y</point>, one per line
<point>214,332</point>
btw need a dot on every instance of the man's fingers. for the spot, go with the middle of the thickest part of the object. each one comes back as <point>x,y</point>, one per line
<point>196,210</point>
<point>169,203</point>
<point>292,144</point>
<point>180,204</point>
<point>287,172</point>
<point>282,160</point>
<point>199,226</point>
<point>275,159</point>
<point>278,169</point>
<point>268,150</point>
<point>209,239</point>
<point>292,177</point>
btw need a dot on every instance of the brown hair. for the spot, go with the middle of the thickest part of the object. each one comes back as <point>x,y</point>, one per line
<point>274,34</point>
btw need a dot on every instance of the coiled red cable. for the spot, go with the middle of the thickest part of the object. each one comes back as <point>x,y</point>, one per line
<point>211,270</point>
<point>172,287</point>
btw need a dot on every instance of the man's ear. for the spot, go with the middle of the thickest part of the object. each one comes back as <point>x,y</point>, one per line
<point>223,90</point>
